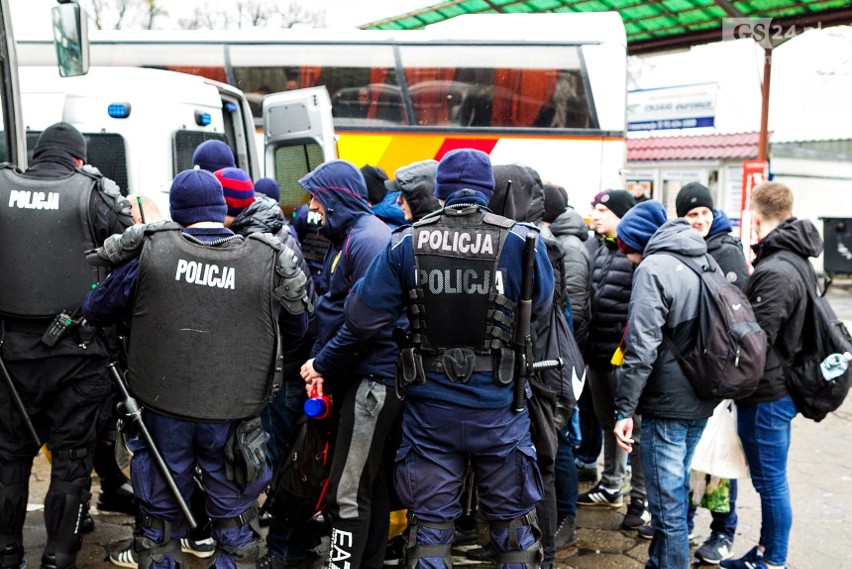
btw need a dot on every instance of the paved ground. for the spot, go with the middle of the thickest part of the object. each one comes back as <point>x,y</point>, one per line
<point>820,474</point>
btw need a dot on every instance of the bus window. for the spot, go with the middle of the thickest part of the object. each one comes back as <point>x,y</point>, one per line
<point>497,86</point>
<point>361,79</point>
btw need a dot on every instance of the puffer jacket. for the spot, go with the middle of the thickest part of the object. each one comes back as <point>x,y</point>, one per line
<point>571,231</point>
<point>780,300</point>
<point>665,300</point>
<point>727,250</point>
<point>612,278</point>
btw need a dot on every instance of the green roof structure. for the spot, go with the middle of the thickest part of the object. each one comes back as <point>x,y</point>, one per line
<point>658,25</point>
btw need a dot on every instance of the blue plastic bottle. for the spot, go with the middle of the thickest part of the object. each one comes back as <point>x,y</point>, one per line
<point>318,407</point>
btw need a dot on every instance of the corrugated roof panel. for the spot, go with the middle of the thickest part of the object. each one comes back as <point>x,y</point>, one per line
<point>474,6</point>
<point>636,12</point>
<point>678,5</point>
<point>544,5</point>
<point>451,11</point>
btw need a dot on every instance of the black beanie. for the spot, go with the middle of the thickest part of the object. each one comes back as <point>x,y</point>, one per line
<point>555,202</point>
<point>691,196</point>
<point>618,202</point>
<point>63,137</point>
<point>375,178</point>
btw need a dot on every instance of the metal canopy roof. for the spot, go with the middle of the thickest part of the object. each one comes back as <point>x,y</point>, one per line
<point>651,26</point>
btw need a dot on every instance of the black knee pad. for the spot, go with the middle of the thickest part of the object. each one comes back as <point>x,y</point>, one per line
<point>531,557</point>
<point>64,506</point>
<point>244,557</point>
<point>150,552</point>
<point>413,552</point>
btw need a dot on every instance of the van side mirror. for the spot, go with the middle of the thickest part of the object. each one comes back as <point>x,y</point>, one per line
<point>71,39</point>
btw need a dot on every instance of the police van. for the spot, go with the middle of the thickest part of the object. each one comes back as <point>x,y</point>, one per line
<point>143,125</point>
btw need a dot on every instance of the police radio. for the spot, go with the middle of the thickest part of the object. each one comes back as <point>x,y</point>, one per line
<point>58,328</point>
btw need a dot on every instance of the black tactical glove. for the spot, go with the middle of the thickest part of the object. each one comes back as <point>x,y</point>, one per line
<point>245,452</point>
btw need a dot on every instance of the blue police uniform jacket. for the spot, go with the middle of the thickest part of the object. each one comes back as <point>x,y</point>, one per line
<point>377,300</point>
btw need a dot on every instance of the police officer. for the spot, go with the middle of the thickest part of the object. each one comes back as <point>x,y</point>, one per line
<point>458,273</point>
<point>50,215</point>
<point>210,311</point>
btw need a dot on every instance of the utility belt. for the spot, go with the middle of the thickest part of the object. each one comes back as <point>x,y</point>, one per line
<point>61,325</point>
<point>458,364</point>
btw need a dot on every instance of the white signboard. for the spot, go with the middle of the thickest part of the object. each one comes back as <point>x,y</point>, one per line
<point>686,106</point>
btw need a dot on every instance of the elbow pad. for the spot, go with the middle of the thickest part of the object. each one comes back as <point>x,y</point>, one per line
<point>292,283</point>
<point>120,248</point>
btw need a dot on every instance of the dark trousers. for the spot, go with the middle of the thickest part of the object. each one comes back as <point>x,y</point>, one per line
<point>62,395</point>
<point>359,497</point>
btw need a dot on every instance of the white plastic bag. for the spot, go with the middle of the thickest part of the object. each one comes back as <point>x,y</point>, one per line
<point>719,451</point>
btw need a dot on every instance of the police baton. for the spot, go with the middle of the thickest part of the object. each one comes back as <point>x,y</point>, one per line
<point>135,413</point>
<point>522,341</point>
<point>18,403</point>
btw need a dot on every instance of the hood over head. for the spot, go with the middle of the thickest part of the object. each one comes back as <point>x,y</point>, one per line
<point>417,184</point>
<point>520,200</point>
<point>339,187</point>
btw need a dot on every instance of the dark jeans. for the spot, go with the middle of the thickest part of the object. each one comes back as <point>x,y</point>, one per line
<point>591,433</point>
<point>667,447</point>
<point>764,430</point>
<point>566,474</point>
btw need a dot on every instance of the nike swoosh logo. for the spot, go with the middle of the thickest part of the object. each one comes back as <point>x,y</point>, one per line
<point>737,306</point>
<point>577,383</point>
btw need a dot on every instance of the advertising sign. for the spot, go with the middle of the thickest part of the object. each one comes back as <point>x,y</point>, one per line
<point>686,106</point>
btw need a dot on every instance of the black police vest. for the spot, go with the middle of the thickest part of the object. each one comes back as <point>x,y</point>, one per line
<point>45,230</point>
<point>204,338</point>
<point>456,257</point>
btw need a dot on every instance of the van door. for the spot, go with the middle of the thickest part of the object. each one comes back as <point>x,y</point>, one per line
<point>239,129</point>
<point>298,137</point>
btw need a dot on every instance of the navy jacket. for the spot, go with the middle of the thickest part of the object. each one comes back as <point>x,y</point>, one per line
<point>727,250</point>
<point>356,237</point>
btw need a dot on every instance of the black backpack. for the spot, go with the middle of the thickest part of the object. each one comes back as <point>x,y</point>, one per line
<point>730,349</point>
<point>300,480</point>
<point>823,335</point>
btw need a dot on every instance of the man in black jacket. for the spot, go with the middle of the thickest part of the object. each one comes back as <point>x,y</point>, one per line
<point>49,216</point>
<point>779,298</point>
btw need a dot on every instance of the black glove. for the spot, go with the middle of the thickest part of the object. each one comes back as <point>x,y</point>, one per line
<point>245,452</point>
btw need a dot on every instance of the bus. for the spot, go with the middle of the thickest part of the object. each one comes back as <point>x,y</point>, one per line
<point>546,90</point>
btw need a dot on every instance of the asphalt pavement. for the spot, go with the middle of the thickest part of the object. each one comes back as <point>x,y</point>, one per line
<point>819,473</point>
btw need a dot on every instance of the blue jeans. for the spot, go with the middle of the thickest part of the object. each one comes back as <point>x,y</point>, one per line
<point>764,430</point>
<point>667,447</point>
<point>566,470</point>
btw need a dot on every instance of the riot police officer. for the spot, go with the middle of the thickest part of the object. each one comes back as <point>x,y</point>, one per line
<point>50,215</point>
<point>458,274</point>
<point>210,312</point>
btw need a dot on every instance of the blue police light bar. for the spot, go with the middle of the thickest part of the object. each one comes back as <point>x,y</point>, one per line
<point>231,107</point>
<point>202,119</point>
<point>119,110</point>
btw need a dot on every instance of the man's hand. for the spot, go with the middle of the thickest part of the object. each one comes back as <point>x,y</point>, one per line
<point>313,380</point>
<point>624,434</point>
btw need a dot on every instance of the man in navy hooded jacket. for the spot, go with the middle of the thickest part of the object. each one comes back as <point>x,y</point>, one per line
<point>360,375</point>
<point>463,407</point>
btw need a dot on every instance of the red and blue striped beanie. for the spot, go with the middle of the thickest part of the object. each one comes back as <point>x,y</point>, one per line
<point>237,187</point>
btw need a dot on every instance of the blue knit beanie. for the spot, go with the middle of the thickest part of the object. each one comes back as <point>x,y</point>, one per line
<point>269,188</point>
<point>212,155</point>
<point>461,169</point>
<point>196,196</point>
<point>640,223</point>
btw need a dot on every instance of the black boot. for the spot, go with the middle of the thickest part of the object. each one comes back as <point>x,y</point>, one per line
<point>12,556</point>
<point>117,498</point>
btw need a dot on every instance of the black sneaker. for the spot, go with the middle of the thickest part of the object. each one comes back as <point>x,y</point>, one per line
<point>716,549</point>
<point>484,553</point>
<point>393,551</point>
<point>600,498</point>
<point>119,499</point>
<point>566,534</point>
<point>87,523</point>
<point>636,517</point>
<point>646,532</point>
<point>465,536</point>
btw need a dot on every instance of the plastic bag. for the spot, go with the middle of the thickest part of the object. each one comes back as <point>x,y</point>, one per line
<point>719,451</point>
<point>710,492</point>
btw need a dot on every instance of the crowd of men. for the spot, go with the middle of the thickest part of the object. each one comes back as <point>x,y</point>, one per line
<point>404,300</point>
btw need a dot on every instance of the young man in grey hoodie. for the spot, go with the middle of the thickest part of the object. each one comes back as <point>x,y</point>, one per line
<point>665,300</point>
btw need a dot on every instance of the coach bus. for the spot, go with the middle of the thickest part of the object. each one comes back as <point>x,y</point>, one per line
<point>547,90</point>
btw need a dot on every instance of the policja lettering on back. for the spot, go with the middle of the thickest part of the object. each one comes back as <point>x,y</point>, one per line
<point>470,244</point>
<point>205,274</point>
<point>33,200</point>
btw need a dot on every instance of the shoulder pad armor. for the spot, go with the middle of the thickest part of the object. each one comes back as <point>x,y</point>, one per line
<point>292,289</point>
<point>120,248</point>
<point>498,220</point>
<point>268,239</point>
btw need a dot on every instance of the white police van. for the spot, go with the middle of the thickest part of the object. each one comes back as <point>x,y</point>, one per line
<point>143,125</point>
